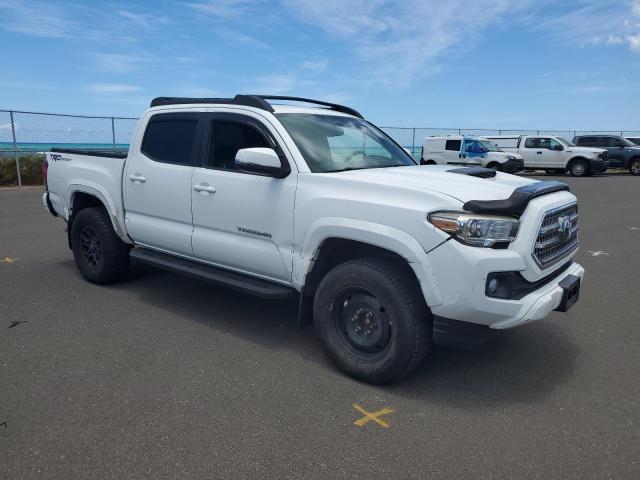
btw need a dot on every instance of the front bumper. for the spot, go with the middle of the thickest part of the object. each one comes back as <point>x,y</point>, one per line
<point>598,165</point>
<point>513,166</point>
<point>462,275</point>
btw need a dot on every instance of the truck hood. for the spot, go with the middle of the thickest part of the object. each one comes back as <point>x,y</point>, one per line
<point>586,150</point>
<point>440,179</point>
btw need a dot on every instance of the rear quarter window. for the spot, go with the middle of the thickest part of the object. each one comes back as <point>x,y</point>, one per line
<point>169,138</point>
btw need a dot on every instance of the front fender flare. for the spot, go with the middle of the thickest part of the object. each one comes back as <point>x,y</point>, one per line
<point>382,236</point>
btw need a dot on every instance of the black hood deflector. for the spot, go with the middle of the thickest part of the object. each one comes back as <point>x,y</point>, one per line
<point>479,172</point>
<point>518,201</point>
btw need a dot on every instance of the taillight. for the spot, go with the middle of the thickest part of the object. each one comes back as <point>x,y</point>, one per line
<point>45,170</point>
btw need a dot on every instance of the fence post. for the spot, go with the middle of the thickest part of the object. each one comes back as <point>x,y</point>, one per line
<point>113,131</point>
<point>15,148</point>
<point>413,142</point>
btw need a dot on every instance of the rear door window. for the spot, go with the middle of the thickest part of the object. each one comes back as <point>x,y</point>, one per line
<point>169,138</point>
<point>588,141</point>
<point>453,145</point>
<point>532,142</point>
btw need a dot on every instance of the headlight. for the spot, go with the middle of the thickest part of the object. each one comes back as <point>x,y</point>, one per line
<point>511,157</point>
<point>476,230</point>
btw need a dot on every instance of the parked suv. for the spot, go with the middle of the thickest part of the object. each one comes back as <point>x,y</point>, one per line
<point>469,151</point>
<point>623,153</point>
<point>554,154</point>
<point>277,199</point>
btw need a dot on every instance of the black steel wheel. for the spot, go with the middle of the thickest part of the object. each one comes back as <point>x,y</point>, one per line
<point>91,249</point>
<point>372,320</point>
<point>362,319</point>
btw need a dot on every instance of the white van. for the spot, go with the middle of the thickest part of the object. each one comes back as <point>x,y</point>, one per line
<point>469,151</point>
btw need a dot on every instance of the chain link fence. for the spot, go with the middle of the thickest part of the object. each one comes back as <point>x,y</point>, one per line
<point>25,136</point>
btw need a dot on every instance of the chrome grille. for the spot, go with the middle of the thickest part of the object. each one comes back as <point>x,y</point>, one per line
<point>556,238</point>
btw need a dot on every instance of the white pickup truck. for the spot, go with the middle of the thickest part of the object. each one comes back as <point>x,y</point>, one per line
<point>277,199</point>
<point>554,154</point>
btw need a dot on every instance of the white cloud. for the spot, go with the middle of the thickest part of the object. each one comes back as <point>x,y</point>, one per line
<point>275,85</point>
<point>223,9</point>
<point>401,41</point>
<point>319,65</point>
<point>597,22</point>
<point>146,21</point>
<point>36,18</point>
<point>120,62</point>
<point>110,88</point>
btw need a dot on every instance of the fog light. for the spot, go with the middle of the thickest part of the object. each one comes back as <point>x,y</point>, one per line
<point>498,285</point>
<point>492,286</point>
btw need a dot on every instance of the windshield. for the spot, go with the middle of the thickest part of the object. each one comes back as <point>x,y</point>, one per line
<point>626,141</point>
<point>491,147</point>
<point>331,143</point>
<point>566,142</point>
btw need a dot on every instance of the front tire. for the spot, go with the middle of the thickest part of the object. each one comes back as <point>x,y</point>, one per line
<point>634,166</point>
<point>495,166</point>
<point>579,168</point>
<point>371,319</point>
<point>100,255</point>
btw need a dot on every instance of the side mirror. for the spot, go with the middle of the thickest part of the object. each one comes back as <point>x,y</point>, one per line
<point>557,148</point>
<point>261,161</point>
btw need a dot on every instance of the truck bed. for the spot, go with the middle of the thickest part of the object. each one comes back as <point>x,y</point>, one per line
<point>73,171</point>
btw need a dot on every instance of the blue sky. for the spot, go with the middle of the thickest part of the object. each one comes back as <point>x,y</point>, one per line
<point>471,64</point>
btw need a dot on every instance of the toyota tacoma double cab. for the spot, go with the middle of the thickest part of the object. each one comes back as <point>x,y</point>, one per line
<point>554,154</point>
<point>292,197</point>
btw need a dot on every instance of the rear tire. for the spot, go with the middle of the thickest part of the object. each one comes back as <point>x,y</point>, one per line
<point>430,162</point>
<point>100,255</point>
<point>371,319</point>
<point>579,168</point>
<point>634,166</point>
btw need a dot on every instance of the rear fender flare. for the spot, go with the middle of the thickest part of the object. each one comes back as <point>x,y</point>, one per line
<point>102,195</point>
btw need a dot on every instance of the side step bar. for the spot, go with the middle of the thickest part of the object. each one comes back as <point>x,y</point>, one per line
<point>219,276</point>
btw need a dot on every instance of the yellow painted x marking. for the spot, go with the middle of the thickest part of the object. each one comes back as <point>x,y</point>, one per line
<point>8,260</point>
<point>368,416</point>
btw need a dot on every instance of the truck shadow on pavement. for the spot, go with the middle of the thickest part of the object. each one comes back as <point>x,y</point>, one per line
<point>523,365</point>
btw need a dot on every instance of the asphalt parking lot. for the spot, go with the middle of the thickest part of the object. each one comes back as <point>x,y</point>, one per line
<point>164,376</point>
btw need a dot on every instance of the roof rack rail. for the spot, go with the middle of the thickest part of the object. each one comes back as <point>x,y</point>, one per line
<point>246,100</point>
<point>256,101</point>
<point>332,106</point>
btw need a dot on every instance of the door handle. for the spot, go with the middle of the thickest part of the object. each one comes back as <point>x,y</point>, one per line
<point>137,178</point>
<point>539,153</point>
<point>204,188</point>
